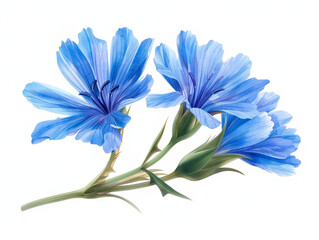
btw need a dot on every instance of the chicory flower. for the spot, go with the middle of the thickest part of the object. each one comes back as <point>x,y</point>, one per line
<point>104,88</point>
<point>265,139</point>
<point>205,83</point>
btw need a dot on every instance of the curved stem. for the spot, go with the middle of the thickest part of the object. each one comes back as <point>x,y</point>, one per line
<point>138,169</point>
<point>52,199</point>
<point>140,185</point>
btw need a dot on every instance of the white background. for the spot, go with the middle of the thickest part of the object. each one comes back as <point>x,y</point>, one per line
<point>280,37</point>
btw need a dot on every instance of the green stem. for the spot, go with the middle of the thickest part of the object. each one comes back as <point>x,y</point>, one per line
<point>146,165</point>
<point>140,185</point>
<point>52,199</point>
<point>103,174</point>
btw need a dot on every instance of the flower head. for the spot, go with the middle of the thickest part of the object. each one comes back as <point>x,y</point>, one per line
<point>265,139</point>
<point>105,89</point>
<point>205,83</point>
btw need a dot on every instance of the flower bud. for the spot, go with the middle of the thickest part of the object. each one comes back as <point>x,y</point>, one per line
<point>203,162</point>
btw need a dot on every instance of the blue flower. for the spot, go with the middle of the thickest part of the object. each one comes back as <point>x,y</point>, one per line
<point>205,83</point>
<point>105,89</point>
<point>264,139</point>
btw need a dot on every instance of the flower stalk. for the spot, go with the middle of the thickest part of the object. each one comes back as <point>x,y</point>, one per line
<point>100,184</point>
<point>53,199</point>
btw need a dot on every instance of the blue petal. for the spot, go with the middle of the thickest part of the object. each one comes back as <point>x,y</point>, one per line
<point>209,61</point>
<point>244,133</point>
<point>281,167</point>
<point>95,50</point>
<point>280,118</point>
<point>139,62</point>
<point>228,119</point>
<point>55,100</point>
<point>241,92</point>
<point>112,139</point>
<point>187,46</point>
<point>118,120</point>
<point>266,101</point>
<point>135,92</point>
<point>124,48</point>
<point>286,133</point>
<point>234,71</point>
<point>167,64</point>
<point>93,130</point>
<point>59,128</point>
<point>164,100</point>
<point>291,160</point>
<point>132,88</point>
<point>241,110</point>
<point>75,67</point>
<point>276,147</point>
<point>205,118</point>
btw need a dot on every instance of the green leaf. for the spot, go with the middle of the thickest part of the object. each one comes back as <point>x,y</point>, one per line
<point>154,148</point>
<point>163,187</point>
<point>124,199</point>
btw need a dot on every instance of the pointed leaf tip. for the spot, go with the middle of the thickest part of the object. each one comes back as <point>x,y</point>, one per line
<point>163,187</point>
<point>154,148</point>
<point>125,200</point>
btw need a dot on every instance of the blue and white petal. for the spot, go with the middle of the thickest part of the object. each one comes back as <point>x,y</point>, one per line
<point>234,71</point>
<point>112,139</point>
<point>58,128</point>
<point>266,101</point>
<point>75,67</point>
<point>280,118</point>
<point>167,64</point>
<point>55,100</point>
<point>124,48</point>
<point>165,100</point>
<point>137,91</point>
<point>205,118</point>
<point>244,133</point>
<point>92,130</point>
<point>276,147</point>
<point>281,167</point>
<point>241,110</point>
<point>118,119</point>
<point>138,64</point>
<point>209,61</point>
<point>241,92</point>
<point>95,50</point>
<point>187,49</point>
<point>187,46</point>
